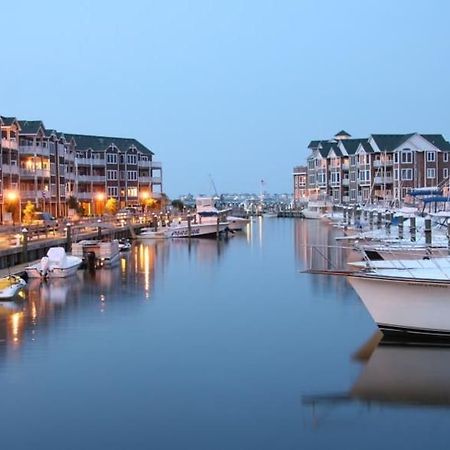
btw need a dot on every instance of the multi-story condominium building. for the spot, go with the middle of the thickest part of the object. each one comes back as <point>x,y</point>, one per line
<point>300,184</point>
<point>47,167</point>
<point>382,167</point>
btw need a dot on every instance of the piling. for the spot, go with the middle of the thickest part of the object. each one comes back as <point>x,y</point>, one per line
<point>448,237</point>
<point>371,219</point>
<point>412,228</point>
<point>189,226</point>
<point>68,237</point>
<point>218,228</point>
<point>24,244</point>
<point>428,237</point>
<point>388,219</point>
<point>400,227</point>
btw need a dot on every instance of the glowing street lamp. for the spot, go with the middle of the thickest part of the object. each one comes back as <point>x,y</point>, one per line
<point>100,198</point>
<point>11,199</point>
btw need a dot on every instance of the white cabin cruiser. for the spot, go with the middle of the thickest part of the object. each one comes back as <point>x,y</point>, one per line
<point>106,253</point>
<point>57,264</point>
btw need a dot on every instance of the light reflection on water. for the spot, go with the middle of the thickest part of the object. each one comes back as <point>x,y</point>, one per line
<point>213,345</point>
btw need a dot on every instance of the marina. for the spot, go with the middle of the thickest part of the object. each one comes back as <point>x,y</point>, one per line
<point>226,333</point>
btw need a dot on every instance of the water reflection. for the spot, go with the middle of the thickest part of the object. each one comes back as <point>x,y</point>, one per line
<point>397,374</point>
<point>316,245</point>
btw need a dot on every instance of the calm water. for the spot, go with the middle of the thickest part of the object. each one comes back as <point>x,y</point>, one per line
<point>213,346</point>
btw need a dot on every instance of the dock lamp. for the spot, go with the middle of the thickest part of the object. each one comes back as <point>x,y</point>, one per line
<point>12,201</point>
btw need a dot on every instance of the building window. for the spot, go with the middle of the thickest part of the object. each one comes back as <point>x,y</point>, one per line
<point>112,174</point>
<point>353,176</point>
<point>445,173</point>
<point>431,156</point>
<point>132,175</point>
<point>407,174</point>
<point>396,157</point>
<point>131,159</point>
<point>395,174</point>
<point>446,157</point>
<point>352,160</point>
<point>113,191</point>
<point>407,156</point>
<point>111,158</point>
<point>132,192</point>
<point>353,194</point>
<point>431,173</point>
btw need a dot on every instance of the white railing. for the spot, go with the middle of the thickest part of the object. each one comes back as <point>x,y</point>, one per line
<point>345,181</point>
<point>156,180</point>
<point>84,195</point>
<point>381,163</point>
<point>345,166</point>
<point>7,169</point>
<point>31,194</point>
<point>34,150</point>
<point>8,143</point>
<point>143,163</point>
<point>156,165</point>
<point>145,179</point>
<point>92,178</point>
<point>83,161</point>
<point>45,173</point>
<point>345,198</point>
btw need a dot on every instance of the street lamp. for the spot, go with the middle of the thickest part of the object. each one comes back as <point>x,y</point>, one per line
<point>11,198</point>
<point>144,197</point>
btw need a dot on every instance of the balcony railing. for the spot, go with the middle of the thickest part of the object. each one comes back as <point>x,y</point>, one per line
<point>83,161</point>
<point>34,150</point>
<point>156,180</point>
<point>45,173</point>
<point>156,165</point>
<point>145,179</point>
<point>8,143</point>
<point>382,163</point>
<point>345,166</point>
<point>345,198</point>
<point>32,195</point>
<point>10,169</point>
<point>345,181</point>
<point>382,180</point>
<point>143,163</point>
<point>84,195</point>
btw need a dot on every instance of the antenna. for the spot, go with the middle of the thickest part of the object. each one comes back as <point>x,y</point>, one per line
<point>213,185</point>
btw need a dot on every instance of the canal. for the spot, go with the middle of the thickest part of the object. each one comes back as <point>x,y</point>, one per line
<point>214,346</point>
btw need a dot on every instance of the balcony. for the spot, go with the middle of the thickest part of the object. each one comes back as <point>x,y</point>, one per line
<point>345,181</point>
<point>91,178</point>
<point>83,161</point>
<point>364,182</point>
<point>98,162</point>
<point>345,198</point>
<point>156,165</point>
<point>382,180</point>
<point>345,166</point>
<point>382,163</point>
<point>39,173</point>
<point>145,179</point>
<point>10,169</point>
<point>34,150</point>
<point>9,143</point>
<point>143,163</point>
<point>156,180</point>
<point>31,195</point>
<point>84,195</point>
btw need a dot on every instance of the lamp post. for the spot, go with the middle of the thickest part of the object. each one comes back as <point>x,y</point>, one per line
<point>144,197</point>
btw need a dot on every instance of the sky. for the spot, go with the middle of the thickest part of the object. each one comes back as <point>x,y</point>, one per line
<point>229,91</point>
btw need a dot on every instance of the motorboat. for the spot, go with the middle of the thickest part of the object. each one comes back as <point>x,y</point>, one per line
<point>237,223</point>
<point>315,210</point>
<point>269,215</point>
<point>407,297</point>
<point>56,264</point>
<point>105,253</point>
<point>10,286</point>
<point>124,245</point>
<point>151,233</point>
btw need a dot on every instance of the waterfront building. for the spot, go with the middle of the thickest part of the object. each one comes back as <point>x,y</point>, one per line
<point>379,168</point>
<point>47,167</point>
<point>300,176</point>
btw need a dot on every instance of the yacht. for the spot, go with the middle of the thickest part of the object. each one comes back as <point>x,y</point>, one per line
<point>10,286</point>
<point>106,253</point>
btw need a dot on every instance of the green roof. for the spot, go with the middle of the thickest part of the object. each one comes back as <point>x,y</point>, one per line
<point>7,121</point>
<point>351,145</point>
<point>342,133</point>
<point>101,143</point>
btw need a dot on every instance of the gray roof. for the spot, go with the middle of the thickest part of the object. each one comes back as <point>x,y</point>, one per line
<point>343,133</point>
<point>351,145</point>
<point>314,144</point>
<point>101,143</point>
<point>30,126</point>
<point>7,121</point>
<point>438,141</point>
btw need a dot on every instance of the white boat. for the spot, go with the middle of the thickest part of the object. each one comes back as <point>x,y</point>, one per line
<point>315,210</point>
<point>57,264</point>
<point>151,233</point>
<point>270,215</point>
<point>106,253</point>
<point>407,297</point>
<point>10,286</point>
<point>237,223</point>
<point>124,245</point>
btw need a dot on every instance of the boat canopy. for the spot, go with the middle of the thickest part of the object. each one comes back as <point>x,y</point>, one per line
<point>436,199</point>
<point>426,191</point>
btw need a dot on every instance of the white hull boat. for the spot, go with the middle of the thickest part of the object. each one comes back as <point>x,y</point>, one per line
<point>311,214</point>
<point>57,264</point>
<point>237,223</point>
<point>197,230</point>
<point>10,286</point>
<point>106,252</point>
<point>408,300</point>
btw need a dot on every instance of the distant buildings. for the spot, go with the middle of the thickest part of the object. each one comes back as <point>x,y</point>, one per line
<point>47,167</point>
<point>378,168</point>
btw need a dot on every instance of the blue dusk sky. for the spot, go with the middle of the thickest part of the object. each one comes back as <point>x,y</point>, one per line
<point>231,89</point>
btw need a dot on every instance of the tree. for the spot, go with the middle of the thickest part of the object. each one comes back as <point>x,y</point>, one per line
<point>111,206</point>
<point>178,204</point>
<point>28,213</point>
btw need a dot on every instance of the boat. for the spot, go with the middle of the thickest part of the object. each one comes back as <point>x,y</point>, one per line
<point>151,233</point>
<point>407,297</point>
<point>10,286</point>
<point>56,264</point>
<point>105,253</point>
<point>124,245</point>
<point>237,223</point>
<point>269,215</point>
<point>315,210</point>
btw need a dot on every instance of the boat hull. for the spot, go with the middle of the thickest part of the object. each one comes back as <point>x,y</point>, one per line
<point>311,214</point>
<point>418,307</point>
